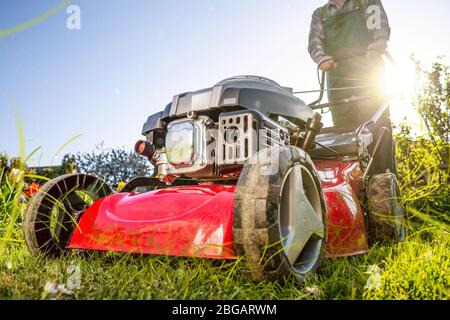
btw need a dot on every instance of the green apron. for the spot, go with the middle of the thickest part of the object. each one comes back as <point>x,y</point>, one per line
<point>347,34</point>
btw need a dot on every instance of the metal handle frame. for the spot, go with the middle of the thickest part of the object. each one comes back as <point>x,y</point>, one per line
<point>317,103</point>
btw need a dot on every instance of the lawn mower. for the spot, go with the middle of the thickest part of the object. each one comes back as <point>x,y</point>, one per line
<point>243,170</point>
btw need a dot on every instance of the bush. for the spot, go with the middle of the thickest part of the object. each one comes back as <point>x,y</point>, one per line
<point>113,165</point>
<point>423,161</point>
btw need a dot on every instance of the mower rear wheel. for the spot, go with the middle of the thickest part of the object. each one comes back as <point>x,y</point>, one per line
<point>280,216</point>
<point>53,212</point>
<point>387,221</point>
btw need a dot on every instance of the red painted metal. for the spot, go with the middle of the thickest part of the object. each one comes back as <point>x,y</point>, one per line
<point>342,184</point>
<point>192,221</point>
<point>197,221</point>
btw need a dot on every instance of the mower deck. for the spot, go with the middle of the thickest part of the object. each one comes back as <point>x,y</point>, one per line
<point>182,221</point>
<point>197,221</point>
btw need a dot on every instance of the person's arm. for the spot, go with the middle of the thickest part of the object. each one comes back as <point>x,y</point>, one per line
<point>380,36</point>
<point>316,45</point>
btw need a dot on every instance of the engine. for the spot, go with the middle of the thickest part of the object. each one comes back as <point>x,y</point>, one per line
<point>209,134</point>
<point>199,147</point>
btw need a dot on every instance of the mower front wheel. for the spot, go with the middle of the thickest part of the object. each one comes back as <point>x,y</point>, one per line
<point>280,216</point>
<point>53,212</point>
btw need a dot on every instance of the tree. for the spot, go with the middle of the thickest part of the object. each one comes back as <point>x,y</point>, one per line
<point>113,165</point>
<point>423,161</point>
<point>434,104</point>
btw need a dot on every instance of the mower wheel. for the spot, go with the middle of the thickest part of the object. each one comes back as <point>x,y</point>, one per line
<point>53,212</point>
<point>387,221</point>
<point>280,216</point>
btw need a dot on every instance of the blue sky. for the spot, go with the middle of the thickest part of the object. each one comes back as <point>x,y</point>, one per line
<point>131,57</point>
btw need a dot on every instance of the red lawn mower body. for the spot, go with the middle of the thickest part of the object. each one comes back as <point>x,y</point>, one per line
<point>197,221</point>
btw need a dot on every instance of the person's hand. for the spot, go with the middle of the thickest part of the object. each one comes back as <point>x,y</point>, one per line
<point>327,64</point>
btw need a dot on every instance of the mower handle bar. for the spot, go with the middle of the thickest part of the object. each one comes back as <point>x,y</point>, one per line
<point>316,104</point>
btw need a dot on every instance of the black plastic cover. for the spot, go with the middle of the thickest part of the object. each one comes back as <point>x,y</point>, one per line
<point>342,143</point>
<point>249,92</point>
<point>153,122</point>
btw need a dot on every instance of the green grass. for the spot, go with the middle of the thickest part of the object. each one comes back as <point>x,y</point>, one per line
<point>416,269</point>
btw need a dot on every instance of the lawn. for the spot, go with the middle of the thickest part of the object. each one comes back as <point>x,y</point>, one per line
<point>418,268</point>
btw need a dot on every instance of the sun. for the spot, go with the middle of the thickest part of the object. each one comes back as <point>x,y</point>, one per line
<point>400,83</point>
<point>396,81</point>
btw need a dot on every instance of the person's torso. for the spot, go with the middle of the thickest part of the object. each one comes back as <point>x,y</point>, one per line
<point>345,29</point>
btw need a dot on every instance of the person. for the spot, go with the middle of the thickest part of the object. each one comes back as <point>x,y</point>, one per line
<point>347,40</point>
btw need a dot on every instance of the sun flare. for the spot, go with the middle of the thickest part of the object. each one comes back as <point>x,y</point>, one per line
<point>400,83</point>
<point>397,81</point>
